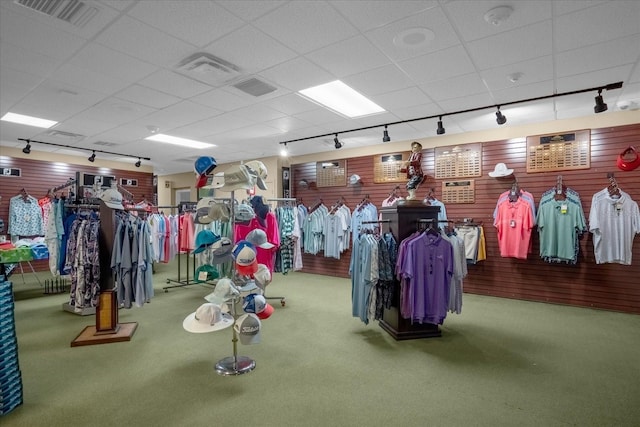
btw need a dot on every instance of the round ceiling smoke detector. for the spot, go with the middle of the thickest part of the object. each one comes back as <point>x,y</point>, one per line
<point>498,15</point>
<point>514,77</point>
<point>414,38</point>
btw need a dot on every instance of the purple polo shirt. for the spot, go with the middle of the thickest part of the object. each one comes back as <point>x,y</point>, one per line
<point>428,268</point>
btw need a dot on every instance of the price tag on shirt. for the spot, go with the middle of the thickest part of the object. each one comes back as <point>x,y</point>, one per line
<point>563,208</point>
<point>512,223</point>
<point>618,206</point>
<point>202,276</point>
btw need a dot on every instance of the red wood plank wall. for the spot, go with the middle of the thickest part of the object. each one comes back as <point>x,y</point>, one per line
<point>607,286</point>
<point>38,176</point>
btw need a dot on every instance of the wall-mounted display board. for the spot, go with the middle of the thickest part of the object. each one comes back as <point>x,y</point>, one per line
<point>559,151</point>
<point>386,168</point>
<point>331,173</point>
<point>460,161</point>
<point>459,191</point>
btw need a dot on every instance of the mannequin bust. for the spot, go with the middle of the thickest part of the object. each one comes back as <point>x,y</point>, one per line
<point>413,168</point>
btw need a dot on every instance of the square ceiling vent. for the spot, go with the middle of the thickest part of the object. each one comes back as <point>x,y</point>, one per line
<point>208,68</point>
<point>75,12</point>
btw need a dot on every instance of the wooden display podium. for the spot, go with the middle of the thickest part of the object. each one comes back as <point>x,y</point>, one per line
<point>403,220</point>
<point>107,329</point>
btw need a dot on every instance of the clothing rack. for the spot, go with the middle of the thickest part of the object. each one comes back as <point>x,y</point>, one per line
<point>179,283</point>
<point>286,200</point>
<point>70,182</point>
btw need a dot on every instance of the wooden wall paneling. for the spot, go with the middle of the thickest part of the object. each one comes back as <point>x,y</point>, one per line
<point>39,176</point>
<point>586,284</point>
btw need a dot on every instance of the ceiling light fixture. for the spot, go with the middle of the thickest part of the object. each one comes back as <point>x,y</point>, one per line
<point>138,163</point>
<point>284,152</point>
<point>385,135</point>
<point>341,99</point>
<point>337,143</point>
<point>27,149</point>
<point>498,15</point>
<point>440,130</point>
<point>28,120</point>
<point>184,142</point>
<point>500,118</point>
<point>92,157</point>
<point>600,106</point>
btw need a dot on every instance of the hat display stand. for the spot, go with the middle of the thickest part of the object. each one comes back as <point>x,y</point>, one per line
<point>234,365</point>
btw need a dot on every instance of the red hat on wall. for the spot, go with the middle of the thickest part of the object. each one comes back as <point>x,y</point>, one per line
<point>628,160</point>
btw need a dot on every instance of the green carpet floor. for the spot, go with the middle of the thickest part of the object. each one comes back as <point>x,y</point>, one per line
<point>500,363</point>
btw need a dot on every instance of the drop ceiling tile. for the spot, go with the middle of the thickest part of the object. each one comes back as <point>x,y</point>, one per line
<point>468,16</point>
<point>64,96</point>
<point>87,79</point>
<point>221,99</point>
<point>594,78</point>
<point>290,104</point>
<point>27,33</point>
<point>349,57</point>
<point>216,125</point>
<point>402,98</point>
<point>318,21</point>
<point>287,124</point>
<point>250,10</point>
<point>174,84</point>
<point>520,92</point>
<point>532,71</point>
<point>438,65</point>
<point>146,96</point>
<point>250,49</point>
<point>384,79</point>
<point>297,74</point>
<point>379,13</point>
<point>18,58</point>
<point>179,114</point>
<point>187,20</point>
<point>582,28</point>
<point>387,38</point>
<point>468,84</point>
<point>466,102</point>
<point>130,36</point>
<point>512,46</point>
<point>104,60</point>
<point>598,57</point>
<point>115,111</point>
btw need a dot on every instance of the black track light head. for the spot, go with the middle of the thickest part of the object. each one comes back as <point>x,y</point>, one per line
<point>138,163</point>
<point>500,118</point>
<point>600,106</point>
<point>27,149</point>
<point>92,157</point>
<point>385,135</point>
<point>440,130</point>
<point>337,143</point>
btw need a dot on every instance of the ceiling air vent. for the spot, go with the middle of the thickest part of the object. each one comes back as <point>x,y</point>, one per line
<point>75,12</point>
<point>68,136</point>
<point>105,143</point>
<point>208,68</point>
<point>255,87</point>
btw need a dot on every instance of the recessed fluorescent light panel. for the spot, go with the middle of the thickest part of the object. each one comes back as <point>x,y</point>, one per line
<point>28,120</point>
<point>160,137</point>
<point>340,98</point>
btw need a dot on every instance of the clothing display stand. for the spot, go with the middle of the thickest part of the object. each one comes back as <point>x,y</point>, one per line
<point>403,218</point>
<point>107,329</point>
<point>282,300</point>
<point>179,283</point>
<point>234,365</point>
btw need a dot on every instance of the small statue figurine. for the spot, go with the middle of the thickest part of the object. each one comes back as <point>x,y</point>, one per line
<point>413,167</point>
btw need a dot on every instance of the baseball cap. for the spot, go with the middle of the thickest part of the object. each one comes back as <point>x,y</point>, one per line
<point>244,252</point>
<point>112,198</point>
<point>221,251</point>
<point>202,210</point>
<point>354,179</point>
<point>259,238</point>
<point>211,273</point>
<point>248,328</point>
<point>224,291</point>
<point>257,304</point>
<point>201,180</point>
<point>219,212</point>
<point>625,162</point>
<point>243,213</point>
<point>262,276</point>
<point>204,165</point>
<point>217,181</point>
<point>238,177</point>
<point>247,269</point>
<point>204,239</point>
<point>208,317</point>
<point>259,172</point>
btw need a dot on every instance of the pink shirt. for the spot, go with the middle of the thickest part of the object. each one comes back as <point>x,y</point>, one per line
<point>264,256</point>
<point>514,224</point>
